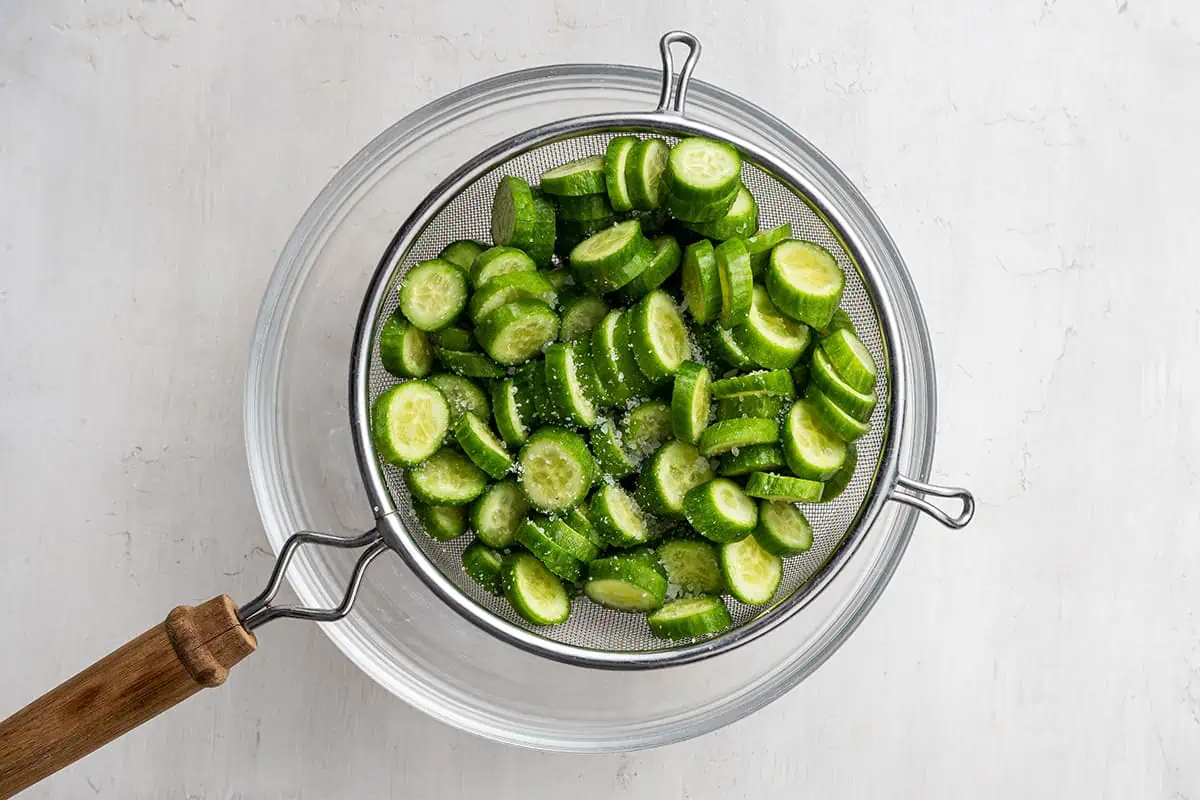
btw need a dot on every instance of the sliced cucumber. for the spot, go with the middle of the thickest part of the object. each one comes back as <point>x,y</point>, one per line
<point>689,618</point>
<point>540,245</point>
<point>497,513</point>
<point>535,535</point>
<point>702,170</point>
<point>769,338</point>
<point>409,422</point>
<point>618,517</point>
<point>721,437</point>
<point>837,322</point>
<point>586,208</point>
<point>759,246</point>
<point>701,282</point>
<point>446,478</point>
<point>691,401</point>
<point>609,451</point>
<point>482,446</point>
<point>404,348</point>
<point>751,458</point>
<point>850,359</point>
<point>838,483</point>
<point>433,294</point>
<point>644,170</point>
<point>463,395</point>
<point>844,426</point>
<point>589,379</point>
<point>555,470</point>
<point>535,592</point>
<point>770,486</point>
<point>497,261</point>
<point>442,523</point>
<point>514,213</point>
<point>504,289</point>
<point>777,382</point>
<point>569,233</point>
<point>484,565</point>
<point>811,449</point>
<point>611,363</point>
<point>751,573</point>
<point>720,511</point>
<point>578,177</point>
<point>608,260</point>
<point>511,421</point>
<point>674,470</point>
<point>662,266</point>
<point>625,583</point>
<point>805,282</point>
<point>518,331</point>
<point>582,524</point>
<point>761,405</point>
<point>646,427</point>
<point>855,403</point>
<point>566,388</point>
<point>616,156</point>
<point>581,313</point>
<point>698,212</point>
<point>782,530</point>
<point>737,282</point>
<point>741,220</point>
<point>467,364</point>
<point>462,253</point>
<point>570,540</point>
<point>660,337</point>
<point>723,346</point>
<point>453,337</point>
<point>691,566</point>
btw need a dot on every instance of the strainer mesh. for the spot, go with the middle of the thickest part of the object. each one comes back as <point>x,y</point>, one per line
<point>467,216</point>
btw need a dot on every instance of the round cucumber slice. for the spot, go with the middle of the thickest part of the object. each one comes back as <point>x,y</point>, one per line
<point>769,338</point>
<point>776,382</point>
<point>609,451</point>
<point>702,170</point>
<point>760,405</point>
<point>578,177</point>
<point>660,337</point>
<point>540,246</point>
<point>844,426</point>
<point>721,437</point>
<point>569,233</point>
<point>535,536</point>
<point>404,349</point>
<point>741,220</point>
<point>770,486</point>
<point>484,566</point>
<point>462,394</point>
<point>751,573</point>
<point>618,517</point>
<point>608,260</point>
<point>504,289</point>
<point>698,212</point>
<point>514,423</point>
<point>442,523</point>
<point>518,331</point>
<point>811,449</point>
<point>625,583</point>
<point>751,458</point>
<point>432,294</point>
<point>468,365</point>
<point>482,446</point>
<point>534,591</point>
<point>674,470</point>
<point>850,359</point>
<point>838,483</point>
<point>663,264</point>
<point>701,283</point>
<point>571,540</point>
<point>646,427</point>
<point>691,401</point>
<point>409,422</point>
<point>446,478</point>
<point>581,313</point>
<point>689,618</point>
<point>691,566</point>
<point>759,246</point>
<point>497,261</point>
<point>737,282</point>
<point>462,253</point>
<point>805,282</point>
<point>565,386</point>
<point>644,170</point>
<point>555,470</point>
<point>513,211</point>
<point>855,403</point>
<point>724,347</point>
<point>782,530</point>
<point>616,156</point>
<point>497,513</point>
<point>720,511</point>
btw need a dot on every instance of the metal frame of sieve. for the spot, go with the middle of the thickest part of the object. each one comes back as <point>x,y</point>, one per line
<point>878,478</point>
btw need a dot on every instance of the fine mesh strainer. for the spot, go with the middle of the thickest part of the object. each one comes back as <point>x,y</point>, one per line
<point>195,647</point>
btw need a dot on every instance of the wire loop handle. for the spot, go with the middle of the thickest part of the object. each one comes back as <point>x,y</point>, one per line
<point>259,611</point>
<point>673,94</point>
<point>913,497</point>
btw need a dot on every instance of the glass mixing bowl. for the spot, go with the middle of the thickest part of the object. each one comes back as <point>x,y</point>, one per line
<point>305,476</point>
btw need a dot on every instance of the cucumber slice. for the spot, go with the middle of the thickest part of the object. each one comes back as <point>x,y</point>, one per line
<point>518,331</point>
<point>587,208</point>
<point>505,289</point>
<point>468,365</point>
<point>691,401</point>
<point>409,422</point>
<point>531,387</point>
<point>837,322</point>
<point>616,156</point>
<point>432,294</point>
<point>613,359</point>
<point>701,283</point>
<point>768,337</point>
<point>644,170</point>
<point>570,233</point>
<point>761,405</point>
<point>777,382</point>
<point>702,170</point>
<point>442,523</point>
<point>565,386</point>
<point>625,582</point>
<point>724,347</point>
<point>782,529</point>
<point>850,359</point>
<point>689,618</point>
<point>759,246</point>
<point>581,313</point>
<point>770,486</point>
<point>585,367</point>
<point>646,427</point>
<point>484,565</point>
<point>751,573</point>
<point>737,283</point>
<point>855,403</point>
<point>741,220</point>
<point>581,524</point>
<point>570,540</point>
<point>540,245</point>
<point>404,348</point>
<point>453,338</point>
<point>805,282</point>
<point>618,517</point>
<point>660,337</point>
<point>534,591</point>
<point>721,437</point>
<point>662,265</point>
<point>608,260</point>
<point>462,253</point>
<point>482,446</point>
<point>446,478</point>
<point>555,470</point>
<point>691,566</point>
<point>497,513</point>
<point>578,177</point>
<point>841,479</point>
<point>674,470</point>
<point>535,536</point>
<point>844,426</point>
<point>497,261</point>
<point>609,451</point>
<point>513,212</point>
<point>751,458</point>
<point>720,511</point>
<point>698,212</point>
<point>462,394</point>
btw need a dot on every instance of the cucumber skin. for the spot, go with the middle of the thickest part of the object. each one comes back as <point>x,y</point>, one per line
<point>715,620</point>
<point>510,586</point>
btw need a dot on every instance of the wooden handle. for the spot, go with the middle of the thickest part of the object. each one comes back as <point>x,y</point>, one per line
<point>192,650</point>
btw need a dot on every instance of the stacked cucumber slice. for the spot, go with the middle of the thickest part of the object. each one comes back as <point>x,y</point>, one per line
<point>601,408</point>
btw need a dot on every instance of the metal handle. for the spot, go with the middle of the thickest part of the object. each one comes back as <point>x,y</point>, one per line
<point>673,94</point>
<point>913,497</point>
<point>260,611</point>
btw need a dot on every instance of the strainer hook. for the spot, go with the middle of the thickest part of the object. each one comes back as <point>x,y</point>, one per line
<point>673,94</point>
<point>913,497</point>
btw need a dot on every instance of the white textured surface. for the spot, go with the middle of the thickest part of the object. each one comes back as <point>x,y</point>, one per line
<point>1034,159</point>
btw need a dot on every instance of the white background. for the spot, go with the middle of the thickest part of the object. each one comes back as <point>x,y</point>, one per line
<point>1036,161</point>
